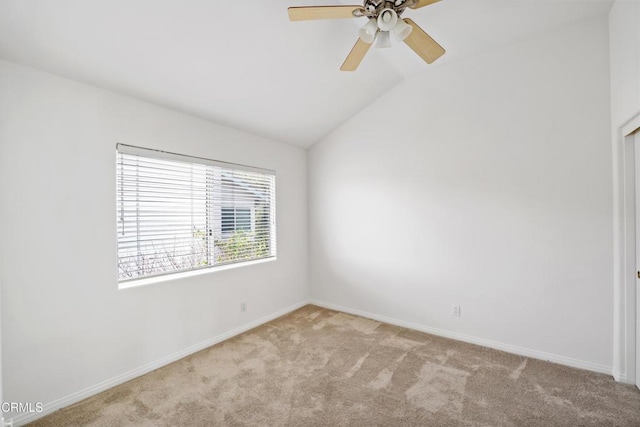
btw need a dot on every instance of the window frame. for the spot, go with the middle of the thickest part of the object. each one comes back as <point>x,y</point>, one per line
<point>210,235</point>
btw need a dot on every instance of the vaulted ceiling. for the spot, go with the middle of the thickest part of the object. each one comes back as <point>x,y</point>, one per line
<point>243,64</point>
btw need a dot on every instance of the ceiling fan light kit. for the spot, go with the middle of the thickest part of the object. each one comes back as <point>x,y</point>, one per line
<point>384,22</point>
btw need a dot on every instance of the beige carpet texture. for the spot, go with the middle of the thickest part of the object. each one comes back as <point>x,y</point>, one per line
<point>318,367</point>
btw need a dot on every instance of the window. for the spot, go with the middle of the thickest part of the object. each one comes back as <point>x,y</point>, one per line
<point>236,219</point>
<point>178,213</point>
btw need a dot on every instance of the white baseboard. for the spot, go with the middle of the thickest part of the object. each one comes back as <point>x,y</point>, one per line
<point>521,351</point>
<point>620,377</point>
<point>623,378</point>
<point>51,407</point>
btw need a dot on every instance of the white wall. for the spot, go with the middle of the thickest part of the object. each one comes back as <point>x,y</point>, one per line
<point>66,326</point>
<point>624,48</point>
<point>489,187</point>
<point>624,38</point>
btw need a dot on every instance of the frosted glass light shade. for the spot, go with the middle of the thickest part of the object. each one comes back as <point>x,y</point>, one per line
<point>401,31</point>
<point>383,40</point>
<point>387,19</point>
<point>368,32</point>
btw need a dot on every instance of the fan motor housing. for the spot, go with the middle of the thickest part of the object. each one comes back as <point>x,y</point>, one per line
<point>372,8</point>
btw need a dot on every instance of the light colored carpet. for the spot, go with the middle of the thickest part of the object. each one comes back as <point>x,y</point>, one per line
<point>317,367</point>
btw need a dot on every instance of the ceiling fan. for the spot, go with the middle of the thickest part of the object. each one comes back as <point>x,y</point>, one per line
<point>384,22</point>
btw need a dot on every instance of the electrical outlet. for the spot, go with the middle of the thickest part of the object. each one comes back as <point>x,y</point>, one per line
<point>243,307</point>
<point>455,310</point>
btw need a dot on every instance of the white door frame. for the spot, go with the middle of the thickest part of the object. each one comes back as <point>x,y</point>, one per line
<point>624,251</point>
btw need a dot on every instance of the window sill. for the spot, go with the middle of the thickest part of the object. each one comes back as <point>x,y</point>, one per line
<point>182,275</point>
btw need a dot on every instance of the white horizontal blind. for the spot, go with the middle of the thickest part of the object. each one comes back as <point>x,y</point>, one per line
<point>179,213</point>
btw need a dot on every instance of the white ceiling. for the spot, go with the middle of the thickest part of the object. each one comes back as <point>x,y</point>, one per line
<point>243,64</point>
